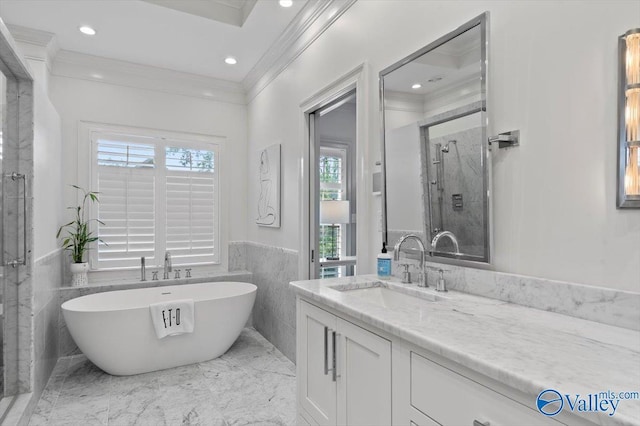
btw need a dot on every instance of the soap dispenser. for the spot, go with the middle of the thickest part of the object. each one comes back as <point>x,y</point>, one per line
<point>384,262</point>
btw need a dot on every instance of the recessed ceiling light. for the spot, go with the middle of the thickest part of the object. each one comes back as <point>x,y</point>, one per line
<point>85,29</point>
<point>207,94</point>
<point>286,3</point>
<point>230,60</point>
<point>97,76</point>
<point>416,86</point>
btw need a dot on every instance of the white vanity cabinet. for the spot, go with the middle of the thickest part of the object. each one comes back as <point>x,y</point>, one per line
<point>425,389</point>
<point>344,371</point>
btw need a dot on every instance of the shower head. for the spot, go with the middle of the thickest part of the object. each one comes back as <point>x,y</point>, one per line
<point>446,147</point>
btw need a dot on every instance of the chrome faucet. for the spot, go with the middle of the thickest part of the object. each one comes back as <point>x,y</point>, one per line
<point>422,280</point>
<point>143,271</point>
<point>167,265</point>
<point>448,234</point>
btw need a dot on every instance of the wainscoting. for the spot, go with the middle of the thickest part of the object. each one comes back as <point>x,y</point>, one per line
<point>274,313</point>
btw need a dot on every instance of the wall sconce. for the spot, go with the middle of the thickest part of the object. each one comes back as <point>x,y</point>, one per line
<point>629,120</point>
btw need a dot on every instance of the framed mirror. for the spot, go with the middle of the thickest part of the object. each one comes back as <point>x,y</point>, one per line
<point>436,168</point>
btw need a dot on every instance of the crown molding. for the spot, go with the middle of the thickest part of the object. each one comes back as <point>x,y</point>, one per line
<point>314,18</point>
<point>11,62</point>
<point>104,70</point>
<point>35,44</point>
<point>402,101</point>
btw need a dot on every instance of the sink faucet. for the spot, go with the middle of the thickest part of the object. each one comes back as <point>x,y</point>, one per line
<point>448,234</point>
<point>422,282</point>
<point>167,265</point>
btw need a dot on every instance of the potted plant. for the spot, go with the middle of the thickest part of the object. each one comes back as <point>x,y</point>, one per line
<point>79,237</point>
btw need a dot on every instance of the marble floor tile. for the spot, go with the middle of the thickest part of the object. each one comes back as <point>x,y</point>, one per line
<point>253,383</point>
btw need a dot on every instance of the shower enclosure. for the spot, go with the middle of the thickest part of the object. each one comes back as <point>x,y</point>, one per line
<point>16,239</point>
<point>3,96</point>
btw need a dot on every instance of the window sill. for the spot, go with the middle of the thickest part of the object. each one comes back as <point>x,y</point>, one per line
<point>130,279</point>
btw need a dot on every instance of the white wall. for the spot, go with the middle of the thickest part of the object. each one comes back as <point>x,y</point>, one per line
<point>81,100</point>
<point>553,75</point>
<point>47,181</point>
<point>47,158</point>
<point>404,183</point>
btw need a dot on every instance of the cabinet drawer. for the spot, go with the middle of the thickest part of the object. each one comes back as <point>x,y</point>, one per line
<point>452,399</point>
<point>416,418</point>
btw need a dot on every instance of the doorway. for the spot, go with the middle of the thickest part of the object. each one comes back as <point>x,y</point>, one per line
<point>333,190</point>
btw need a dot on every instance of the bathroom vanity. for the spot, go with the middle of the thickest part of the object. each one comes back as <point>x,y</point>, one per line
<point>380,352</point>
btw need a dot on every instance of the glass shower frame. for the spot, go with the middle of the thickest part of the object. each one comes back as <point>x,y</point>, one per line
<point>16,214</point>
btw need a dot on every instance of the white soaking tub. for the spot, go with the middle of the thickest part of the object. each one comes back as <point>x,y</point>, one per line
<point>114,329</point>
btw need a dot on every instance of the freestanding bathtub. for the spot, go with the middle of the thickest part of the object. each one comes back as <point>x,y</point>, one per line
<point>114,330</point>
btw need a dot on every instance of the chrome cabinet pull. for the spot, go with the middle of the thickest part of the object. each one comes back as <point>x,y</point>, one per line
<point>479,423</point>
<point>326,350</point>
<point>21,261</point>
<point>334,369</point>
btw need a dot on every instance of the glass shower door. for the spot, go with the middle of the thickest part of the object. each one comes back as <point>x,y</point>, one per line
<point>3,97</point>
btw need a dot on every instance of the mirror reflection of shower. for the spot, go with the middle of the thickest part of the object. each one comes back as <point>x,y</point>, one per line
<point>438,161</point>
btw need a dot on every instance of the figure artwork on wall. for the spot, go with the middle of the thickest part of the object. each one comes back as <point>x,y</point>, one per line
<point>269,196</point>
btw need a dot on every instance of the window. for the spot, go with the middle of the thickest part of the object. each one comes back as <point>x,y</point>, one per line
<point>156,195</point>
<point>333,185</point>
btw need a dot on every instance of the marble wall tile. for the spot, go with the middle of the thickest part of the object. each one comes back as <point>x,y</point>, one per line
<point>274,313</point>
<point>17,295</point>
<point>462,175</point>
<point>604,305</point>
<point>237,256</point>
<point>47,280</point>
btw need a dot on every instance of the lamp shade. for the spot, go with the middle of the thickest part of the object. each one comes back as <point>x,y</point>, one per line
<point>332,212</point>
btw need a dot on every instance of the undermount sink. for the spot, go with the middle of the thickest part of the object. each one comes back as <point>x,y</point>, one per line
<point>388,296</point>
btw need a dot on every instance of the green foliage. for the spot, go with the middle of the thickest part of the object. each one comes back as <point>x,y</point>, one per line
<point>330,169</point>
<point>192,158</point>
<point>78,236</point>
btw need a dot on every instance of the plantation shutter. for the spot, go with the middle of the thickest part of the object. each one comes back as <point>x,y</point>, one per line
<point>190,205</point>
<point>126,186</point>
<point>156,195</point>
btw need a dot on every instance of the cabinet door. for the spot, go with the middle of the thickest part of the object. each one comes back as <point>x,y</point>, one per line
<point>364,376</point>
<point>317,389</point>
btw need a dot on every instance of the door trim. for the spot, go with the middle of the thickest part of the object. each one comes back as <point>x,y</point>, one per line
<point>356,79</point>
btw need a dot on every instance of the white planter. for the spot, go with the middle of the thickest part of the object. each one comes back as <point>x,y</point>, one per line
<point>79,274</point>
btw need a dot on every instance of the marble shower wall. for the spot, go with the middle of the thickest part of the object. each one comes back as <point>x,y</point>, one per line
<point>462,175</point>
<point>47,281</point>
<point>274,313</point>
<point>17,151</point>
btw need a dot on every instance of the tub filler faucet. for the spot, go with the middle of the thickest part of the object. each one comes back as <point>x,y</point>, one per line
<point>167,265</point>
<point>143,270</point>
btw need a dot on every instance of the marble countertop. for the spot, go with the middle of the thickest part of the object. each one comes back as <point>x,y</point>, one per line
<point>525,348</point>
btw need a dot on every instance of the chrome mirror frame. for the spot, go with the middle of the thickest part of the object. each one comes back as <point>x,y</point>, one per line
<point>450,258</point>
